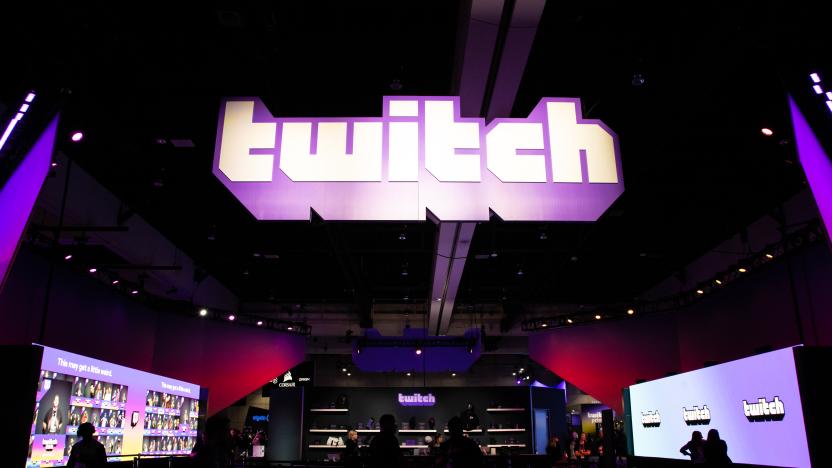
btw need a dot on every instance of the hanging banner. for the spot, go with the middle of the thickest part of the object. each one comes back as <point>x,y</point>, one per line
<point>419,156</point>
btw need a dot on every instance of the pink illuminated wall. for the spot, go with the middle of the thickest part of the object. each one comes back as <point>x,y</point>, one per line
<point>87,318</point>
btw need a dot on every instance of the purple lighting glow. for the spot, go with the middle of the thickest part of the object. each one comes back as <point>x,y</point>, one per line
<point>816,163</point>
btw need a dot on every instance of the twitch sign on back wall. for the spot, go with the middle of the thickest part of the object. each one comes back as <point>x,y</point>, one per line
<point>754,403</point>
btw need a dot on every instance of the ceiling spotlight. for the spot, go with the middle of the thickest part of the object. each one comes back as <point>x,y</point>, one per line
<point>741,270</point>
<point>719,282</point>
<point>231,317</point>
<point>829,95</point>
<point>77,136</point>
<point>766,131</point>
<point>517,382</point>
<point>638,80</point>
<point>597,316</point>
<point>290,328</point>
<point>700,292</point>
<point>568,320</point>
<point>418,351</point>
<point>349,374</point>
<point>54,164</point>
<point>408,374</point>
<point>544,325</point>
<point>453,374</point>
<point>203,312</point>
<point>514,373</point>
<point>93,270</point>
<point>115,282</point>
<point>134,292</point>
<point>259,323</point>
<point>769,256</point>
<point>522,370</point>
<point>630,311</point>
<point>815,78</point>
<point>818,89</point>
<point>68,257</point>
<point>343,369</point>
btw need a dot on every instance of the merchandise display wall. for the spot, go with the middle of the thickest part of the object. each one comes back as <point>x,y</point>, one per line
<point>504,413</point>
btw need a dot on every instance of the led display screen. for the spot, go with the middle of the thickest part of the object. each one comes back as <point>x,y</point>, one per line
<point>754,403</point>
<point>134,412</point>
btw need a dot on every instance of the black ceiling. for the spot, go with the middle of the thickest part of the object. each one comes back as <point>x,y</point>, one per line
<point>696,167</point>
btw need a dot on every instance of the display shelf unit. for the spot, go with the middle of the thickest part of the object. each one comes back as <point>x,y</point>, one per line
<point>413,446</point>
<point>505,410</point>
<point>329,410</point>
<point>417,431</point>
<point>368,431</point>
<point>472,431</point>
<point>506,446</point>
<point>507,430</point>
<point>328,431</point>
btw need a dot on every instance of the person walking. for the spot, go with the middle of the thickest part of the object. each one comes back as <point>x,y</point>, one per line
<point>88,453</point>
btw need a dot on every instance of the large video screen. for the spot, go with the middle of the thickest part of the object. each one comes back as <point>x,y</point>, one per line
<point>134,412</point>
<point>754,403</point>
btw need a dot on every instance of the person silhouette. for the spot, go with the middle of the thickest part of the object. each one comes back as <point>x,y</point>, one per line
<point>385,451</point>
<point>459,451</point>
<point>716,450</point>
<point>88,453</point>
<point>695,448</point>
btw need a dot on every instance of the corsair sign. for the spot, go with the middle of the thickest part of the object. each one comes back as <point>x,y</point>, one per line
<point>419,156</point>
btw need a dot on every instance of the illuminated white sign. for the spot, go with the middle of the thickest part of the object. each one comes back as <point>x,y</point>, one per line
<point>420,155</point>
<point>651,419</point>
<point>417,399</point>
<point>763,410</point>
<point>697,415</point>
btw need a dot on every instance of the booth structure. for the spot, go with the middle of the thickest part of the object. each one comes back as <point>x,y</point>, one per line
<point>312,422</point>
<point>759,405</point>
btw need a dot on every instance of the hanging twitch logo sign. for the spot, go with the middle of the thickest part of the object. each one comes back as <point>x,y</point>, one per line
<point>420,155</point>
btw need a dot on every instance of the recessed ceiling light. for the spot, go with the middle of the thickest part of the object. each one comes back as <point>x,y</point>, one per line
<point>630,311</point>
<point>115,281</point>
<point>769,256</point>
<point>134,292</point>
<point>54,164</point>
<point>290,329</point>
<point>544,325</point>
<point>93,270</point>
<point>203,312</point>
<point>68,257</point>
<point>259,323</point>
<point>815,78</point>
<point>718,281</point>
<point>349,374</point>
<point>766,131</point>
<point>418,351</point>
<point>453,374</point>
<point>741,270</point>
<point>232,317</point>
<point>818,89</point>
<point>343,369</point>
<point>77,136</point>
<point>568,320</point>
<point>700,292</point>
<point>408,374</point>
<point>597,317</point>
